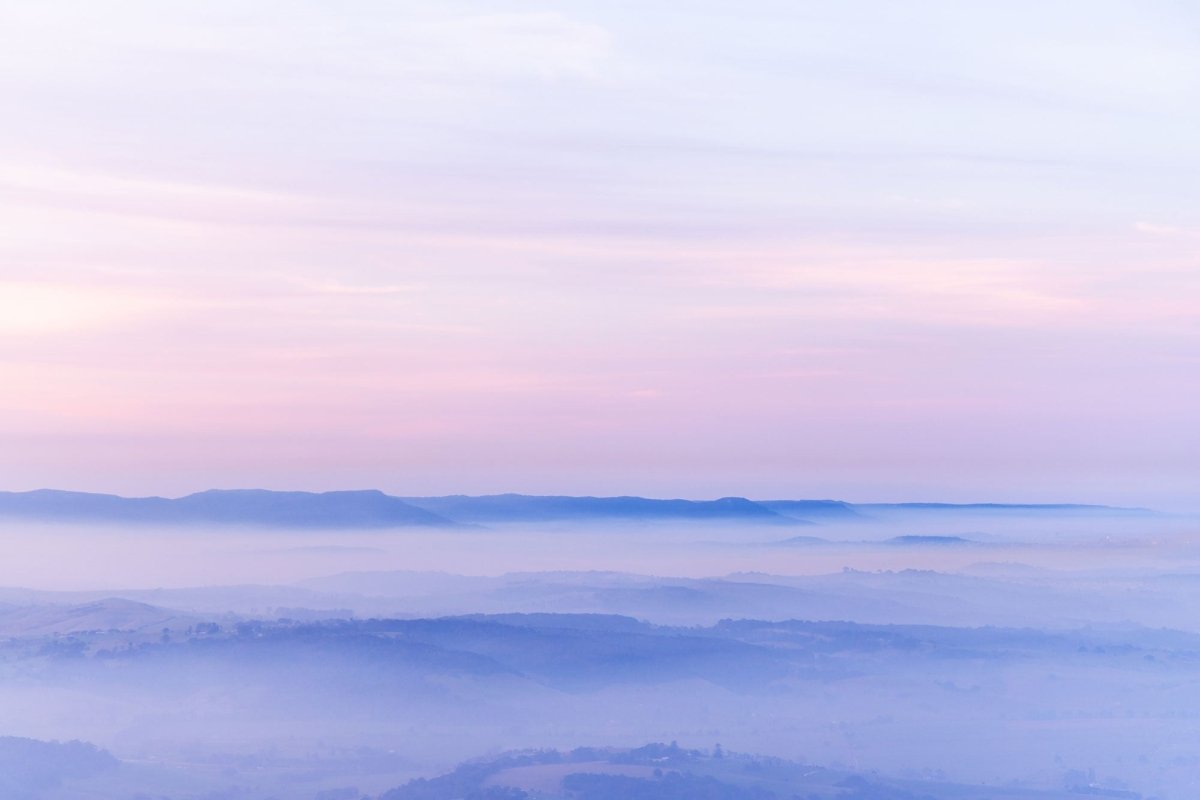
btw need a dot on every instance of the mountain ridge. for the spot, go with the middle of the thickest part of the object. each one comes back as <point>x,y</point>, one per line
<point>369,508</point>
<point>373,509</point>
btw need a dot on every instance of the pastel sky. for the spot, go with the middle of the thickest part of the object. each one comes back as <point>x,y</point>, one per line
<point>868,250</point>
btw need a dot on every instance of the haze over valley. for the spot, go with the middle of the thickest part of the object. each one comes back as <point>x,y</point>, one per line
<point>599,400</point>
<point>386,640</point>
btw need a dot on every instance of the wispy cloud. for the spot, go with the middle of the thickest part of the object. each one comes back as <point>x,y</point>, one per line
<point>680,243</point>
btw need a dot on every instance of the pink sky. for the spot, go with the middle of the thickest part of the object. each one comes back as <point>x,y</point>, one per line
<point>438,249</point>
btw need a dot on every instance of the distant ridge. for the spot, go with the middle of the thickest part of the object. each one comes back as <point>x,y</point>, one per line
<point>352,509</point>
<point>372,509</point>
<point>369,509</point>
<point>557,508</point>
<point>812,509</point>
<point>1004,508</point>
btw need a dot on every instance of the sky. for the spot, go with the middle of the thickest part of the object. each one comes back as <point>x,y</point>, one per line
<point>865,250</point>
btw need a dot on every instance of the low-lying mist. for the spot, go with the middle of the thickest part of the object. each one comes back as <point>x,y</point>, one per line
<point>96,556</point>
<point>946,648</point>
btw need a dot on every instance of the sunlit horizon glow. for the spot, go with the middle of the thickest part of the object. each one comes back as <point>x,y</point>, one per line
<point>600,248</point>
